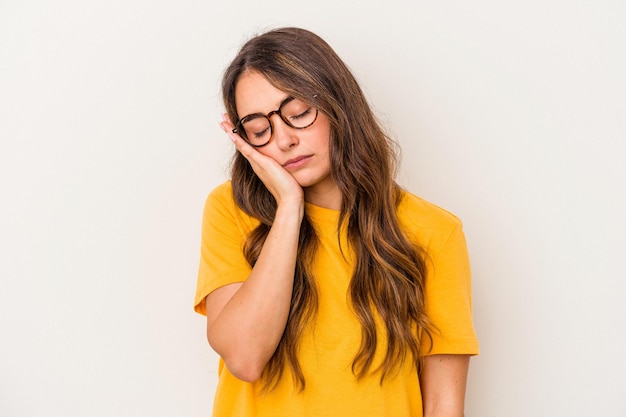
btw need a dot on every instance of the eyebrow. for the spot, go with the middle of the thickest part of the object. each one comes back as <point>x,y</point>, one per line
<point>285,100</point>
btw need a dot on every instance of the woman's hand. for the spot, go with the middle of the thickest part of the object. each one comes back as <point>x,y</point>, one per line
<point>246,320</point>
<point>276,178</point>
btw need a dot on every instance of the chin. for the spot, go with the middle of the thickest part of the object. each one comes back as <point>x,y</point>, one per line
<point>311,179</point>
<point>307,182</point>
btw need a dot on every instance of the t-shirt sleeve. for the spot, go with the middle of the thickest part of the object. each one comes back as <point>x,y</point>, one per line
<point>449,298</point>
<point>221,258</point>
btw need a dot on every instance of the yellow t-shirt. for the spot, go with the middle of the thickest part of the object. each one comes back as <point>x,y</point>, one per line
<point>329,345</point>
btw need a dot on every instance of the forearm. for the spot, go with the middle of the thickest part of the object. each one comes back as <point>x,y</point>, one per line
<point>443,381</point>
<point>456,412</point>
<point>248,327</point>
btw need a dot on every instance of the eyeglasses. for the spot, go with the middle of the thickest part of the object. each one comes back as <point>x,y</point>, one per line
<point>256,128</point>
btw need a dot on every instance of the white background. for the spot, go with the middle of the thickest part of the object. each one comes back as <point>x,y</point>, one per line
<point>510,114</point>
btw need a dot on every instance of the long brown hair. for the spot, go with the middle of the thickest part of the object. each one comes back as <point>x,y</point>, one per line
<point>389,272</point>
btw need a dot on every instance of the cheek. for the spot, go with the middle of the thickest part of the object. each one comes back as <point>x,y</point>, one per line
<point>324,135</point>
<point>269,151</point>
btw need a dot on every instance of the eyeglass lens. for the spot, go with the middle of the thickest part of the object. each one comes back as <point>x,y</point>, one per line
<point>257,128</point>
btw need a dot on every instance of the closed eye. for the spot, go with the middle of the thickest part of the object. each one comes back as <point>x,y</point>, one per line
<point>261,133</point>
<point>301,115</point>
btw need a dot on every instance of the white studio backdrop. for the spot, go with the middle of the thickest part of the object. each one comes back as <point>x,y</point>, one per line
<point>509,114</point>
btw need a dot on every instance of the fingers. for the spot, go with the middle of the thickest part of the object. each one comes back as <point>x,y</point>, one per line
<point>260,163</point>
<point>242,146</point>
<point>227,126</point>
<point>275,177</point>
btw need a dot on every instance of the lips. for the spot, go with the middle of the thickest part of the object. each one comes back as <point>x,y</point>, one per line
<point>297,161</point>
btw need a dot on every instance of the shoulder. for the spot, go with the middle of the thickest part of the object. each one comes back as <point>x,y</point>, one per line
<point>412,205</point>
<point>220,206</point>
<point>222,193</point>
<point>425,222</point>
<point>221,198</point>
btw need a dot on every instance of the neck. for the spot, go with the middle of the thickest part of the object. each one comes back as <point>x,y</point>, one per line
<point>328,197</point>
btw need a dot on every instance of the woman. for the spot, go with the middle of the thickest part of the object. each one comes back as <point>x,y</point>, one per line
<point>328,290</point>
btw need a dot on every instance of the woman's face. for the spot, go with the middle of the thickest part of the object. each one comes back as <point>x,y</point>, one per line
<point>302,152</point>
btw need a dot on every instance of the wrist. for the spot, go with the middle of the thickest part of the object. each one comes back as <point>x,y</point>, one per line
<point>290,209</point>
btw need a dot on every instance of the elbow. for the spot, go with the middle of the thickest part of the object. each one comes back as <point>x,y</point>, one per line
<point>241,365</point>
<point>247,372</point>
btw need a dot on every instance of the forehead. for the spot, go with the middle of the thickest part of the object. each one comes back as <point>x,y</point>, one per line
<point>255,94</point>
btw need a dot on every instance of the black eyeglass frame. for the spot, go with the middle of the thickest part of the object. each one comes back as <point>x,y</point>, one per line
<point>242,132</point>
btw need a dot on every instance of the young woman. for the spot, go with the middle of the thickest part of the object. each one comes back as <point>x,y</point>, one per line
<point>328,289</point>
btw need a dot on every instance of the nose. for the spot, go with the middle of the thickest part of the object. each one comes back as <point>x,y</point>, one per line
<point>282,134</point>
